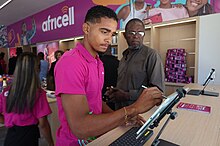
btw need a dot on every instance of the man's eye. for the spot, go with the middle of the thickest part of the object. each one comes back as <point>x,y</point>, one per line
<point>104,32</point>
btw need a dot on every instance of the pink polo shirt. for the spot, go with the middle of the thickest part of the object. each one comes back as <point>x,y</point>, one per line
<point>41,109</point>
<point>77,72</point>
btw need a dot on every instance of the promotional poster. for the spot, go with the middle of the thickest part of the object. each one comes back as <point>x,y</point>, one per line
<point>65,19</point>
<point>48,49</point>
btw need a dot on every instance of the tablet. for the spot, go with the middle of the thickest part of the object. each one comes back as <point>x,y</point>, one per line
<point>163,109</point>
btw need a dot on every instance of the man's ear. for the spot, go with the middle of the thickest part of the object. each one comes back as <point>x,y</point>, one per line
<point>85,28</point>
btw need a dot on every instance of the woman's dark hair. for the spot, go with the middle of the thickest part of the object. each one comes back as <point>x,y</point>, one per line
<point>95,14</point>
<point>57,52</point>
<point>23,92</point>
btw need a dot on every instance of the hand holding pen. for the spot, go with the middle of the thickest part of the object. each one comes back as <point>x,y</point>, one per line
<point>149,98</point>
<point>145,87</point>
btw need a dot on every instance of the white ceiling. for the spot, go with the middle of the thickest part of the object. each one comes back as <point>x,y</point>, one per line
<point>20,9</point>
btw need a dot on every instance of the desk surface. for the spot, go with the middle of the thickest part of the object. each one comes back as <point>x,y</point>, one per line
<point>188,129</point>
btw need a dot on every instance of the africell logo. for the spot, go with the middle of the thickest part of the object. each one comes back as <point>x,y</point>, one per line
<point>60,21</point>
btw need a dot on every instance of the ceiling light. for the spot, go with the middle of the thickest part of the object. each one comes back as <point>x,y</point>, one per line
<point>3,5</point>
<point>66,40</point>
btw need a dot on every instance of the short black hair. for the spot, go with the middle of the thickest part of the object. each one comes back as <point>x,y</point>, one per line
<point>134,20</point>
<point>40,55</point>
<point>19,51</point>
<point>95,14</point>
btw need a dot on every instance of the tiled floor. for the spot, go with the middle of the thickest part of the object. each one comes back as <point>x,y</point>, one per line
<point>3,132</point>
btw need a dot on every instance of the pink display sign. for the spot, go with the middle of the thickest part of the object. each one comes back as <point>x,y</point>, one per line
<point>61,21</point>
<point>64,20</point>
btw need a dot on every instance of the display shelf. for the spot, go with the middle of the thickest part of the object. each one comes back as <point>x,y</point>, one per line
<point>122,44</point>
<point>115,39</point>
<point>146,43</point>
<point>188,39</point>
<point>176,84</point>
<point>114,44</point>
<point>191,53</point>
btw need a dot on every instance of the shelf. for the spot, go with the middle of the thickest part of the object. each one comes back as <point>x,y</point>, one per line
<point>188,39</point>
<point>146,43</point>
<point>175,22</point>
<point>115,44</point>
<point>191,53</point>
<point>175,84</point>
<point>191,67</point>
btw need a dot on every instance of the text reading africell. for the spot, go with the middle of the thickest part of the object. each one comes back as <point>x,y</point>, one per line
<point>60,21</point>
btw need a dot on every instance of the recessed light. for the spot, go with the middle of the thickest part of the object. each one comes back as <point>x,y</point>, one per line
<point>3,5</point>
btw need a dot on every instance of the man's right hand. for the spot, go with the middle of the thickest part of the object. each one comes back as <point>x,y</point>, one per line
<point>116,95</point>
<point>148,99</point>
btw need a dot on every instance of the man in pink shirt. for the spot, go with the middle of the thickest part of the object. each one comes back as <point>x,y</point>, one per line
<point>79,77</point>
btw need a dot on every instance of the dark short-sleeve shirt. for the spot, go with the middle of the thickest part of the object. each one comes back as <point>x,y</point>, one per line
<point>137,67</point>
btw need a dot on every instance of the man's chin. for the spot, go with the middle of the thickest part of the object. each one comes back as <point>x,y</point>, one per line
<point>134,47</point>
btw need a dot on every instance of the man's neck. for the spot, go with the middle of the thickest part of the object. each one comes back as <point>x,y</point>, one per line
<point>88,47</point>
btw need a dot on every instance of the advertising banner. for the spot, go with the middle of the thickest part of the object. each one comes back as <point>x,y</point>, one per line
<point>65,19</point>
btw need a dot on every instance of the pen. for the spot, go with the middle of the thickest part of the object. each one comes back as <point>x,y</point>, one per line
<point>145,87</point>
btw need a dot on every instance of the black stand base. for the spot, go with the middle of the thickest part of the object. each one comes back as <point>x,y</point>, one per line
<point>198,92</point>
<point>208,93</point>
<point>194,92</point>
<point>162,142</point>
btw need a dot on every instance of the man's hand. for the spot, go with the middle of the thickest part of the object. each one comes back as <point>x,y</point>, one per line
<point>116,95</point>
<point>148,99</point>
<point>135,121</point>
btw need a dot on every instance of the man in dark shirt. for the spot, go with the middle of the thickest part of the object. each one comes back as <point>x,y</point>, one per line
<point>139,66</point>
<point>110,63</point>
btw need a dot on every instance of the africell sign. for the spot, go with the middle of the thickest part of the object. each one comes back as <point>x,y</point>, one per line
<point>61,21</point>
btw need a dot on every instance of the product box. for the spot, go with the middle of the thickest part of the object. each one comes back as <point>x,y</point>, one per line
<point>194,107</point>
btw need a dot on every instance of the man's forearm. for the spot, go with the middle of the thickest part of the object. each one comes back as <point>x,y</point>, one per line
<point>106,108</point>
